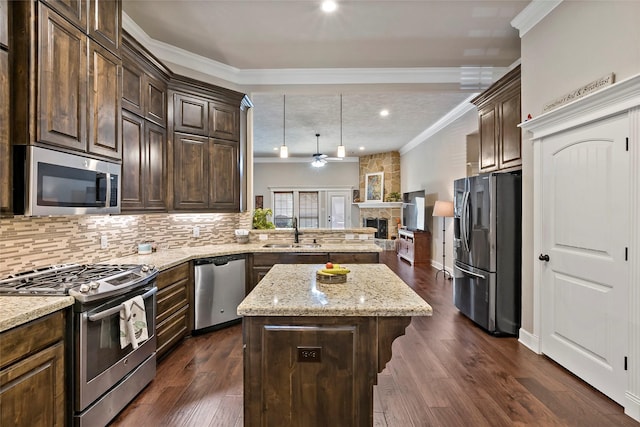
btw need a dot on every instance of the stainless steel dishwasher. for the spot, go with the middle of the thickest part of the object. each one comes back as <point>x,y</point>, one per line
<point>219,288</point>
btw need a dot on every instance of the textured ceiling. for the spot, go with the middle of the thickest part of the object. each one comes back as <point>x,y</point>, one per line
<point>361,35</point>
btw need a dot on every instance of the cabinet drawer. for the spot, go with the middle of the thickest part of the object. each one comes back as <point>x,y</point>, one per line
<point>290,258</point>
<point>171,299</point>
<point>173,275</point>
<point>172,330</point>
<point>27,339</point>
<point>354,257</point>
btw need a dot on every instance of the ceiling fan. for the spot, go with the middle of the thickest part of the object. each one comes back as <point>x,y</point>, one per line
<point>319,159</point>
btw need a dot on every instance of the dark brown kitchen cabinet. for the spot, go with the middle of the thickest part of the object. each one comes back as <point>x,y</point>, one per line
<point>5,142</point>
<point>205,174</point>
<point>75,83</point>
<point>105,26</point>
<point>104,106</point>
<point>499,116</point>
<point>174,307</point>
<point>224,121</point>
<point>143,164</point>
<point>191,115</point>
<point>74,11</point>
<point>32,373</point>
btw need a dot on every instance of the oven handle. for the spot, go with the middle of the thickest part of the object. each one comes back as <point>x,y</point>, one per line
<point>103,314</point>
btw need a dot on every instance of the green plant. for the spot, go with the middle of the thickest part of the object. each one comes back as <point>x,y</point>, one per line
<point>394,196</point>
<point>260,221</point>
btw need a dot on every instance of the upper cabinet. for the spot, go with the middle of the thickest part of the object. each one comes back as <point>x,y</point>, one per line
<point>208,151</point>
<point>69,95</point>
<point>105,23</point>
<point>499,116</point>
<point>4,24</point>
<point>5,142</point>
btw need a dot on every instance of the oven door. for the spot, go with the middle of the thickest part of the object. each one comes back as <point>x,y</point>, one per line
<point>100,361</point>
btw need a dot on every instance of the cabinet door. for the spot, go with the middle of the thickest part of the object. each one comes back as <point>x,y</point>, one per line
<point>191,115</point>
<point>224,121</point>
<point>155,100</point>
<point>155,167</point>
<point>191,172</point>
<point>132,86</point>
<point>105,93</point>
<point>75,11</point>
<point>5,146</point>
<point>257,273</point>
<point>32,391</point>
<point>488,140</point>
<point>104,23</point>
<point>62,83</point>
<point>133,162</point>
<point>224,184</point>
<point>510,148</point>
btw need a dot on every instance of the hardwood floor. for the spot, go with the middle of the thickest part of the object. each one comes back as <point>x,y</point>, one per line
<point>444,372</point>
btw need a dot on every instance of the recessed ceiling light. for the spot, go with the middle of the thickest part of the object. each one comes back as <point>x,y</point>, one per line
<point>361,148</point>
<point>384,113</point>
<point>276,148</point>
<point>329,6</point>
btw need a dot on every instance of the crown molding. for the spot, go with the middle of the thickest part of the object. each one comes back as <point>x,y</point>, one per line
<point>468,77</point>
<point>532,14</point>
<point>460,110</point>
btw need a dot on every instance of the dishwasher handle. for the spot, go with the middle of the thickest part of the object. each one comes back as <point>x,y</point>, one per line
<point>219,260</point>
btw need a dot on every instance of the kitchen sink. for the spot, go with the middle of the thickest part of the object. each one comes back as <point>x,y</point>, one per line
<point>291,245</point>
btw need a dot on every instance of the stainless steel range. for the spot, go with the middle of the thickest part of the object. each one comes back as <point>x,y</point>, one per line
<point>107,373</point>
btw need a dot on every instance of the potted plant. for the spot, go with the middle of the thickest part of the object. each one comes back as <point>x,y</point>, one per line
<point>394,196</point>
<point>260,220</point>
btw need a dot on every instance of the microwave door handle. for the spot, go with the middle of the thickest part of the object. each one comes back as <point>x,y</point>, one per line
<point>471,273</point>
<point>108,192</point>
<point>111,311</point>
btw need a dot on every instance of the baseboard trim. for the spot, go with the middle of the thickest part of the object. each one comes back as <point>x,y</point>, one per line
<point>529,340</point>
<point>632,406</point>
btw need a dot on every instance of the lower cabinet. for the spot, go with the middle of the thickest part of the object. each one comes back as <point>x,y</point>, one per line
<point>414,246</point>
<point>32,373</point>
<point>173,316</point>
<point>261,263</point>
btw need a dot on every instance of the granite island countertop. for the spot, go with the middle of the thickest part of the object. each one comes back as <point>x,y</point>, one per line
<point>370,290</point>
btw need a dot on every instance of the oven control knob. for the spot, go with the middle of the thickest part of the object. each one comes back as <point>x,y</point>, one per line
<point>145,268</point>
<point>84,288</point>
<point>152,267</point>
<point>94,285</point>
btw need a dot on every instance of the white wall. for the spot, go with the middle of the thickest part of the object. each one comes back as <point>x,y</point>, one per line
<point>286,174</point>
<point>433,166</point>
<point>572,46</point>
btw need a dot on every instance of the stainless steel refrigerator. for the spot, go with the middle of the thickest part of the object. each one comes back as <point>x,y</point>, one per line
<point>487,250</point>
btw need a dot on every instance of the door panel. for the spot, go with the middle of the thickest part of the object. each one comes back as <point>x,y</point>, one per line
<point>473,292</point>
<point>585,233</point>
<point>339,209</point>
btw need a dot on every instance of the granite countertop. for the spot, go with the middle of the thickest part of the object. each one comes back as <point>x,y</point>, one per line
<point>370,290</point>
<point>17,310</point>
<point>165,259</point>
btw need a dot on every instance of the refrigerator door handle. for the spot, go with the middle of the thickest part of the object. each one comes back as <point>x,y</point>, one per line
<point>471,273</point>
<point>465,220</point>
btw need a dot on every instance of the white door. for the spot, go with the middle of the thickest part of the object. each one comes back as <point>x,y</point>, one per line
<point>339,209</point>
<point>585,225</point>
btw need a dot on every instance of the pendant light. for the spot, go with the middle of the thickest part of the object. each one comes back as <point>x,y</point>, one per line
<point>341,149</point>
<point>284,151</point>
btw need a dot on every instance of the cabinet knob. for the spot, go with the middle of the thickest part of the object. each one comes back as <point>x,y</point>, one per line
<point>544,257</point>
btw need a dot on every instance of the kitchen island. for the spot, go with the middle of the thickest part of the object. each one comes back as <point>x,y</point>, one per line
<point>313,351</point>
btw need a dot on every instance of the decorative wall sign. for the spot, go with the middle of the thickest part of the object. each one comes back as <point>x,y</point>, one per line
<point>580,92</point>
<point>374,187</point>
<point>259,202</point>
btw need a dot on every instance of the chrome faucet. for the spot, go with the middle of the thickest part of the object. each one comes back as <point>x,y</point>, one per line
<point>296,233</point>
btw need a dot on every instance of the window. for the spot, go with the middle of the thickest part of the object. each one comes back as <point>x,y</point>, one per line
<point>306,209</point>
<point>283,209</point>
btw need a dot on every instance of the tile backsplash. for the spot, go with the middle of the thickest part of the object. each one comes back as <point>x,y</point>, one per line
<point>31,242</point>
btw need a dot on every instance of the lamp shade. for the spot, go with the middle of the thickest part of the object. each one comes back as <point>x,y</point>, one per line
<point>443,208</point>
<point>284,152</point>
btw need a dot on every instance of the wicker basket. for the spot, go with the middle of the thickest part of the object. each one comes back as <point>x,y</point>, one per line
<point>336,278</point>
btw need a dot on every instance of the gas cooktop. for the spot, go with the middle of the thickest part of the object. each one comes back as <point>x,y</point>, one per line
<point>84,282</point>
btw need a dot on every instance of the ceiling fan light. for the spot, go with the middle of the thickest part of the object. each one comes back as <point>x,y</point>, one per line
<point>284,152</point>
<point>318,163</point>
<point>342,152</point>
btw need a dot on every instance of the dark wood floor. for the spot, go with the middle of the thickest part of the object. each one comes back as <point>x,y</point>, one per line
<point>444,372</point>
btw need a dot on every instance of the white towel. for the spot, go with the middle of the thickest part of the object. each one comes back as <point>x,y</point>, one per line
<point>133,323</point>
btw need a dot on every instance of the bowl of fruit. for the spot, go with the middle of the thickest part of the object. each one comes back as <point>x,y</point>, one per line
<point>332,273</point>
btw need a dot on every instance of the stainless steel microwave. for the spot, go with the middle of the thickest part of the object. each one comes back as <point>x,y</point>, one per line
<point>49,182</point>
